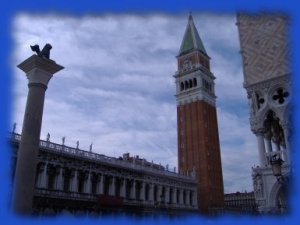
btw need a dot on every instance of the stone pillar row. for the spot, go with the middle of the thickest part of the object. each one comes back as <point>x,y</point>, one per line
<point>265,147</point>
<point>43,178</point>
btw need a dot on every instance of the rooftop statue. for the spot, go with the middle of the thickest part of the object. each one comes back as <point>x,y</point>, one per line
<point>45,53</point>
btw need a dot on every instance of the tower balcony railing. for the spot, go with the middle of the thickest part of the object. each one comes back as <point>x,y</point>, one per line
<point>76,152</point>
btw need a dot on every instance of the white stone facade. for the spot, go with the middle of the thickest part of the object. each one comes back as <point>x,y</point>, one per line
<point>70,173</point>
<point>265,54</point>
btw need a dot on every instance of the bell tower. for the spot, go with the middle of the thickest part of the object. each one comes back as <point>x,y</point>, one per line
<point>198,137</point>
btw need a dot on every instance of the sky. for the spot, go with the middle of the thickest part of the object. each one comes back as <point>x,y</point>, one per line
<point>117,89</point>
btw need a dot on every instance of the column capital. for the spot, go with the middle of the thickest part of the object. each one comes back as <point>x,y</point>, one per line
<point>39,70</point>
<point>259,131</point>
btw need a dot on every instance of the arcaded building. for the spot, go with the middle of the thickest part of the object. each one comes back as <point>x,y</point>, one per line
<point>267,79</point>
<point>74,181</point>
<point>198,136</point>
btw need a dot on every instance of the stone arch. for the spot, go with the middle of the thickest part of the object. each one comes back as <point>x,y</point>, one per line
<point>190,83</point>
<point>277,197</point>
<point>51,176</point>
<point>195,82</point>
<point>186,85</point>
<point>181,86</point>
<point>272,128</point>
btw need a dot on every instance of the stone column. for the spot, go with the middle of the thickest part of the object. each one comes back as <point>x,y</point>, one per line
<point>187,197</point>
<point>268,145</point>
<point>194,198</point>
<point>39,71</point>
<point>123,188</point>
<point>132,194</point>
<point>261,148</point>
<point>112,187</point>
<point>180,196</point>
<point>287,143</point>
<point>142,192</point>
<point>87,185</point>
<point>100,185</point>
<point>151,191</point>
<point>74,187</point>
<point>167,195</point>
<point>59,180</point>
<point>159,193</point>
<point>174,196</point>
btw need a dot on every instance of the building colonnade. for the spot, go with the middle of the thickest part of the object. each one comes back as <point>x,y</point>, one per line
<point>56,177</point>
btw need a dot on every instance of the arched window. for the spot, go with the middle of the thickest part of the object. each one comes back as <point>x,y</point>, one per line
<point>181,86</point>
<point>186,85</point>
<point>194,82</point>
<point>51,176</point>
<point>190,83</point>
<point>274,134</point>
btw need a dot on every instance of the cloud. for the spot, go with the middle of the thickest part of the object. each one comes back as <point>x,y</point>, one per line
<point>117,88</point>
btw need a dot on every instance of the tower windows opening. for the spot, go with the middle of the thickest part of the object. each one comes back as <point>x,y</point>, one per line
<point>186,85</point>
<point>195,82</point>
<point>190,83</point>
<point>181,86</point>
<point>207,85</point>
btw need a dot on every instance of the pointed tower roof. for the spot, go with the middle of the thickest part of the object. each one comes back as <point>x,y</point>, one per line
<point>191,39</point>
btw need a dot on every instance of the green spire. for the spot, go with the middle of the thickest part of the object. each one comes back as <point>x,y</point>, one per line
<point>191,39</point>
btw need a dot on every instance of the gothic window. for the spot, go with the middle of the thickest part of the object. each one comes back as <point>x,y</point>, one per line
<point>280,96</point>
<point>273,129</point>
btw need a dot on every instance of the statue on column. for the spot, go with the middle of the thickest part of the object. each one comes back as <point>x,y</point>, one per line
<point>45,53</point>
<point>91,147</point>
<point>77,144</point>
